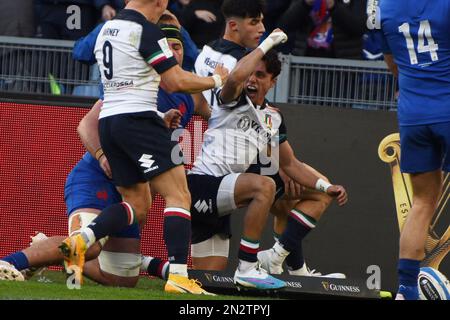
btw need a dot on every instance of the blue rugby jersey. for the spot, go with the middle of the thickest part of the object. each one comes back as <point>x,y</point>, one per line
<point>417,34</point>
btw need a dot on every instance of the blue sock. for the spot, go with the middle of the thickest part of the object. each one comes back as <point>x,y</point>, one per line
<point>18,259</point>
<point>111,220</point>
<point>408,272</point>
<point>177,234</point>
<point>295,259</point>
<point>298,226</point>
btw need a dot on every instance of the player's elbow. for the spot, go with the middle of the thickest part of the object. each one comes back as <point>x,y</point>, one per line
<point>177,84</point>
<point>81,129</point>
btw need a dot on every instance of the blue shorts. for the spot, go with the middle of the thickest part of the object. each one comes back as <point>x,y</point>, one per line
<point>424,148</point>
<point>88,187</point>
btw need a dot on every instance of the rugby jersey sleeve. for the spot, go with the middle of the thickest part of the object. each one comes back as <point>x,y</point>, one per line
<point>282,130</point>
<point>155,49</point>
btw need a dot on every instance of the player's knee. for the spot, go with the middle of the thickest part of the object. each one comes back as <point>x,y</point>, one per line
<point>180,198</point>
<point>324,201</point>
<point>140,209</point>
<point>265,188</point>
<point>425,206</point>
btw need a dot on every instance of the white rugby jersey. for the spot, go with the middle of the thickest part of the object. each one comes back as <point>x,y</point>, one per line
<point>220,51</point>
<point>131,53</point>
<point>236,133</point>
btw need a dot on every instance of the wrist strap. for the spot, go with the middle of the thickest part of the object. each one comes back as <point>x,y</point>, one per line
<point>322,185</point>
<point>217,81</point>
<point>266,45</point>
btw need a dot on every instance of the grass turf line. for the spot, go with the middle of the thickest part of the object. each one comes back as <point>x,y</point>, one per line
<point>146,289</point>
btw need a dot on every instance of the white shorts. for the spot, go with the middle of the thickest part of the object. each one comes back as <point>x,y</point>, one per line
<point>216,246</point>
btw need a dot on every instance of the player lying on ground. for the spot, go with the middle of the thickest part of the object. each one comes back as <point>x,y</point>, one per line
<point>89,189</point>
<point>231,143</point>
<point>114,261</point>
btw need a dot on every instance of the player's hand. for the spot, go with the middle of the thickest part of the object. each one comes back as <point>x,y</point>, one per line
<point>278,36</point>
<point>169,18</point>
<point>172,118</point>
<point>206,16</point>
<point>293,190</point>
<point>275,38</point>
<point>104,164</point>
<point>108,12</point>
<point>222,72</point>
<point>339,193</point>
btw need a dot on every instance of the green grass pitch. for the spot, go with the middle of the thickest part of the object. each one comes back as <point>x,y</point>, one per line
<point>52,286</point>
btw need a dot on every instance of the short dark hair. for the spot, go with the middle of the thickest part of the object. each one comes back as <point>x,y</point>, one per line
<point>243,8</point>
<point>273,63</point>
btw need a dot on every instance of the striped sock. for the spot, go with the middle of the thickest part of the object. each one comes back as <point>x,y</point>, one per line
<point>111,220</point>
<point>177,234</point>
<point>248,250</point>
<point>155,267</point>
<point>298,226</point>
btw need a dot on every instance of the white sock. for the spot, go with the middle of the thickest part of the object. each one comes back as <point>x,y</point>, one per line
<point>280,255</point>
<point>88,236</point>
<point>145,263</point>
<point>245,265</point>
<point>178,269</point>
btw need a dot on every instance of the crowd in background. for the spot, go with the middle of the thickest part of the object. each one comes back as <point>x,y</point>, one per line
<point>316,28</point>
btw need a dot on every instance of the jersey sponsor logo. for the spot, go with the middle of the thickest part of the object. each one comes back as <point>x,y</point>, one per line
<point>201,206</point>
<point>244,123</point>
<point>164,45</point>
<point>118,84</point>
<point>147,162</point>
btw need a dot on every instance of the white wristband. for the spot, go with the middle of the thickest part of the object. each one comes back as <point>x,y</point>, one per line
<point>322,185</point>
<point>266,45</point>
<point>217,80</point>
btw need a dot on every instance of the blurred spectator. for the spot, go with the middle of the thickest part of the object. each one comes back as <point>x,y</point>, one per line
<point>203,20</point>
<point>274,9</point>
<point>177,6</point>
<point>67,19</point>
<point>372,41</point>
<point>109,8</point>
<point>17,18</point>
<point>326,28</point>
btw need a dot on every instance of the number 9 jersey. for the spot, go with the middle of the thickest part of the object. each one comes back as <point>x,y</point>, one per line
<point>417,34</point>
<point>131,53</point>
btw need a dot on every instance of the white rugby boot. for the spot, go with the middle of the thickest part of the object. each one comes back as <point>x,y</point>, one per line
<point>306,272</point>
<point>9,272</point>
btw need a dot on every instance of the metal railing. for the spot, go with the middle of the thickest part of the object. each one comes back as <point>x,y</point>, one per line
<point>27,64</point>
<point>336,82</point>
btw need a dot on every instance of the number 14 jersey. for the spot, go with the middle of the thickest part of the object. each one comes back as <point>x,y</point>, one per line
<point>417,34</point>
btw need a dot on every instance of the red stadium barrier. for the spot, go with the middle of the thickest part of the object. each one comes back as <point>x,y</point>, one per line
<point>39,146</point>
